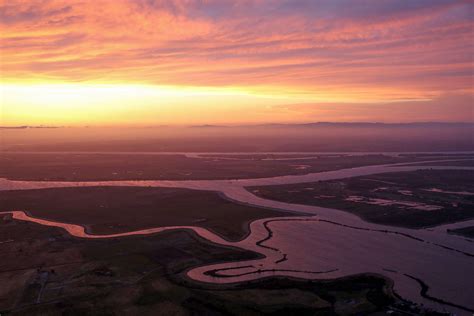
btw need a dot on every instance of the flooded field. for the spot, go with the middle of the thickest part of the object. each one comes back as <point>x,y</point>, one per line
<point>384,202</point>
<point>396,199</point>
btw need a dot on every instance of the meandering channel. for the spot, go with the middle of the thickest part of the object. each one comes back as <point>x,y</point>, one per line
<point>331,244</point>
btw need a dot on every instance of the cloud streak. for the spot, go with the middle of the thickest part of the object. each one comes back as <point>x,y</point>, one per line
<point>339,49</point>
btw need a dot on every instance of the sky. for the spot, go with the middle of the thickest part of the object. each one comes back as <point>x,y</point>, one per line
<point>188,62</point>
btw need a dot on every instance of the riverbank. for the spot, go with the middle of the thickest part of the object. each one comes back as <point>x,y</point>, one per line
<point>339,250</point>
<point>141,274</point>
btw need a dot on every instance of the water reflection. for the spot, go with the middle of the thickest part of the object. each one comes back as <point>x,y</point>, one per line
<point>332,244</point>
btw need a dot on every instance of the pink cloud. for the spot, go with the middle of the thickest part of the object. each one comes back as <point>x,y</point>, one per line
<point>423,48</point>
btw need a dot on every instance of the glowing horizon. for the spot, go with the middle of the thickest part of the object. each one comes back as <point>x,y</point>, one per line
<point>139,63</point>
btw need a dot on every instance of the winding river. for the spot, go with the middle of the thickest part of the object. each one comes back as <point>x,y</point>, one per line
<point>331,243</point>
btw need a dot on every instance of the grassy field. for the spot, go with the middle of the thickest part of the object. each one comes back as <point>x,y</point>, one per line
<point>44,271</point>
<point>105,210</point>
<point>409,199</point>
<point>88,167</point>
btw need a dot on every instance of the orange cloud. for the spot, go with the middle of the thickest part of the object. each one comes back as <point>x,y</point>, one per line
<point>371,51</point>
<point>460,110</point>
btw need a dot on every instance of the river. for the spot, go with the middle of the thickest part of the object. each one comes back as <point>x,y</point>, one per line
<point>331,243</point>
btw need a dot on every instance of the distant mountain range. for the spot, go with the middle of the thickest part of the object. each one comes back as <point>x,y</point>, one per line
<point>348,124</point>
<point>291,125</point>
<point>28,126</point>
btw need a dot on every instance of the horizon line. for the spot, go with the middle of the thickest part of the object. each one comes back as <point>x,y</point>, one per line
<point>204,125</point>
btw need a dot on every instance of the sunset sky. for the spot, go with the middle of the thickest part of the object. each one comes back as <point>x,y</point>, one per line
<point>145,62</point>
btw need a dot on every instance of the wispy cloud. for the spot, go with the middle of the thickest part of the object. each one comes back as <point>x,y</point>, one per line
<point>367,50</point>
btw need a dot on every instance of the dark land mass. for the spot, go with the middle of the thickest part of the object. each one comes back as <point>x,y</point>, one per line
<point>449,155</point>
<point>103,167</point>
<point>109,210</point>
<point>420,203</point>
<point>461,163</point>
<point>348,125</point>
<point>310,137</point>
<point>29,127</point>
<point>465,231</point>
<point>268,156</point>
<point>45,271</point>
